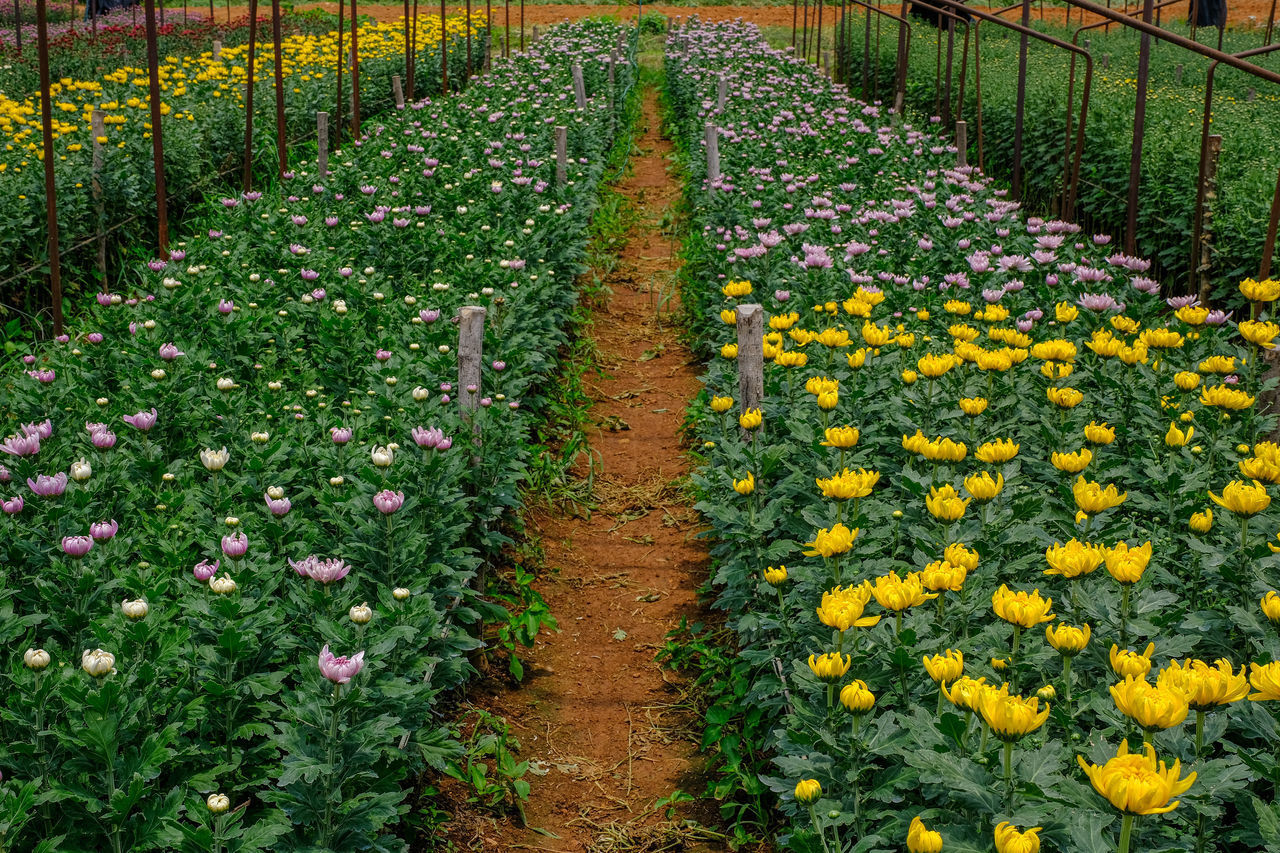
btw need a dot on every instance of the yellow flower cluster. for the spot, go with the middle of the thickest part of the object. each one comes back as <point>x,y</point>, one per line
<point>190,85</point>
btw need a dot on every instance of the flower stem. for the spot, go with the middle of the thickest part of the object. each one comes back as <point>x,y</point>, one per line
<point>326,828</point>
<point>1008,774</point>
<point>1199,732</point>
<point>1126,833</point>
<point>817,827</point>
<point>1124,613</point>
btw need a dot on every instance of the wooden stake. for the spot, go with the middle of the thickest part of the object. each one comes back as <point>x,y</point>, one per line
<point>962,144</point>
<point>579,88</point>
<point>750,358</point>
<point>713,152</point>
<point>562,155</point>
<point>396,91</point>
<point>322,142</point>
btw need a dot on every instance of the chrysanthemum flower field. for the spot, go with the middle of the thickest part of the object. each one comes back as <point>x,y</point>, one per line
<point>997,544</point>
<point>247,496</point>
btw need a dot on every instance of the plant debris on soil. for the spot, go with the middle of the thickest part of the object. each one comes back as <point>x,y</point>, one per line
<point>608,732</point>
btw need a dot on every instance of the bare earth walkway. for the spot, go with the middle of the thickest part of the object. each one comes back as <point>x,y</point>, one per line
<point>598,718</point>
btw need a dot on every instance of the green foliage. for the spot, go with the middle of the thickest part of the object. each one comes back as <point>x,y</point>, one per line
<point>216,689</point>
<point>872,258</point>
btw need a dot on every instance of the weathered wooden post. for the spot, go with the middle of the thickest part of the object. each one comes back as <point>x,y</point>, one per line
<point>217,51</point>
<point>962,144</point>
<point>322,143</point>
<point>750,358</point>
<point>396,91</point>
<point>713,152</point>
<point>579,88</point>
<point>722,93</point>
<point>562,155</point>
<point>470,354</point>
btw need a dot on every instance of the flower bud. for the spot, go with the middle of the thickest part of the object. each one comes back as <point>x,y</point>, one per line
<point>81,471</point>
<point>361,614</point>
<point>223,585</point>
<point>218,803</point>
<point>36,659</point>
<point>399,593</point>
<point>134,610</point>
<point>382,456</point>
<point>98,663</point>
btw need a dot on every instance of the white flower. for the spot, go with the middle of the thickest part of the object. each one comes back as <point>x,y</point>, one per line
<point>98,663</point>
<point>382,456</point>
<point>134,610</point>
<point>214,460</point>
<point>81,471</point>
<point>223,585</point>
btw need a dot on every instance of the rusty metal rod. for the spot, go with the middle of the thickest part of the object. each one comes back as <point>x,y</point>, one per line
<point>157,136</point>
<point>952,19</point>
<point>1039,36</point>
<point>50,190</point>
<point>903,24</point>
<point>413,53</point>
<point>1139,126</point>
<point>1206,121</point>
<point>1180,41</point>
<point>282,145</point>
<point>340,112</point>
<point>444,53</point>
<point>1268,248</point>
<point>248,96</point>
<point>355,72</point>
<point>1020,106</point>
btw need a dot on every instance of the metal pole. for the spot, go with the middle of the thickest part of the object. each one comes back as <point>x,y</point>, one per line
<point>468,39</point>
<point>49,157</point>
<point>506,43</point>
<point>1020,109</point>
<point>355,71</point>
<point>1139,125</point>
<point>444,55</point>
<point>339,112</point>
<point>1268,249</point>
<point>413,54</point>
<point>248,96</point>
<point>281,142</point>
<point>157,137</point>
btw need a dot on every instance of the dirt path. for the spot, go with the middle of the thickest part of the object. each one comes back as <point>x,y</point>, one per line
<point>601,722</point>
